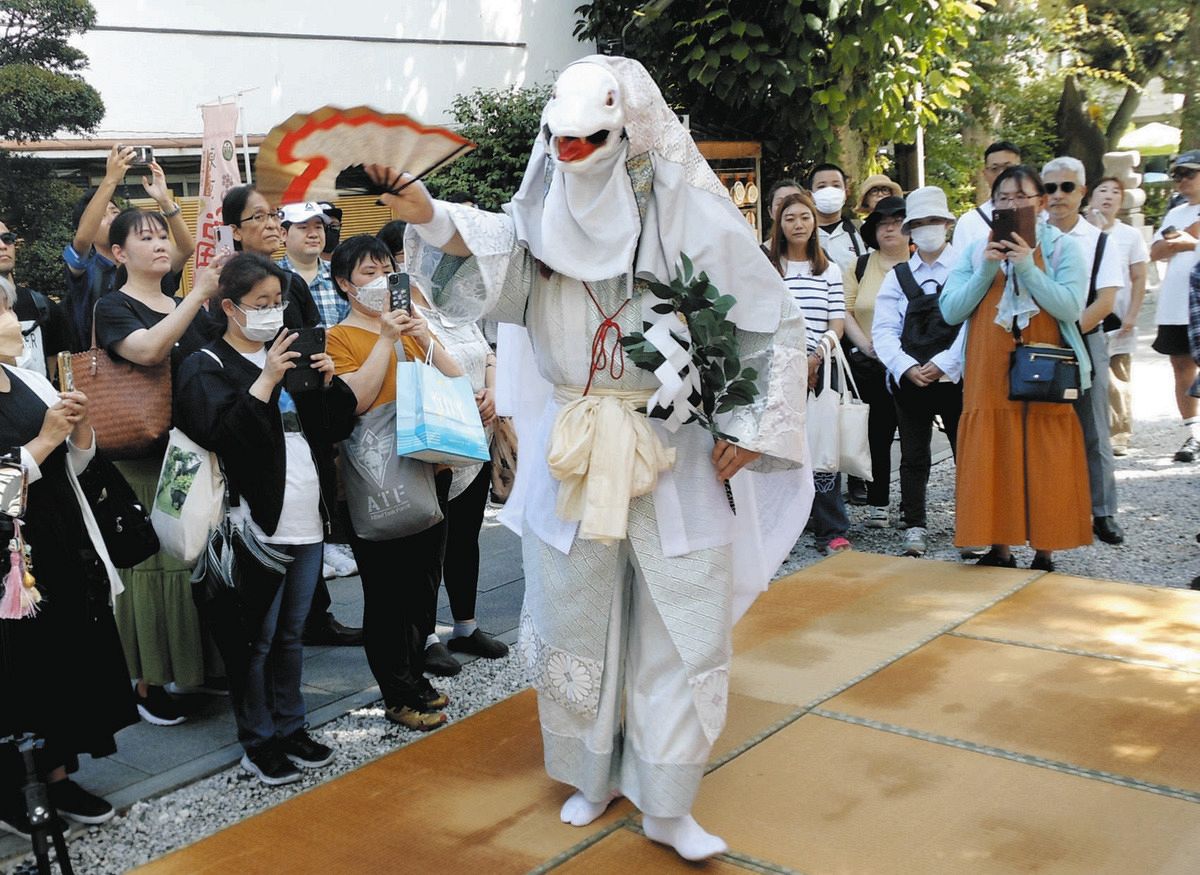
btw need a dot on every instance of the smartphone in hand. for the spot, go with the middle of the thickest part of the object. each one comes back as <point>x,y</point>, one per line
<point>224,241</point>
<point>304,377</point>
<point>400,291</point>
<point>1018,220</point>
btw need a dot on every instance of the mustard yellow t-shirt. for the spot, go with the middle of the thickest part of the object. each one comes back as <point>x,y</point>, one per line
<point>349,347</point>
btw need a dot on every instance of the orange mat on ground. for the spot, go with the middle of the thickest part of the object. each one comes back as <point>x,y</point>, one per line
<point>886,715</point>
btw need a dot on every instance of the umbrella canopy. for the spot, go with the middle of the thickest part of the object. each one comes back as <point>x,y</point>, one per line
<point>1154,138</point>
<point>315,156</point>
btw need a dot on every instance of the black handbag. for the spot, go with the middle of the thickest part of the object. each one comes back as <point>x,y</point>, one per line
<point>1039,372</point>
<point>124,523</point>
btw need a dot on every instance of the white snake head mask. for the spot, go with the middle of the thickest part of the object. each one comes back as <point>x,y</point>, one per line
<point>584,121</point>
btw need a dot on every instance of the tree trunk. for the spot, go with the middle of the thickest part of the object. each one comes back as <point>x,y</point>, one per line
<point>1122,116</point>
<point>1079,135</point>
<point>1190,123</point>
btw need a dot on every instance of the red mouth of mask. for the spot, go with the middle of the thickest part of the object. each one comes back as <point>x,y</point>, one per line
<point>575,148</point>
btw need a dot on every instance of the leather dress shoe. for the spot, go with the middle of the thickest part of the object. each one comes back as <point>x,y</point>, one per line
<point>440,661</point>
<point>856,490</point>
<point>1108,530</point>
<point>331,632</point>
<point>479,643</point>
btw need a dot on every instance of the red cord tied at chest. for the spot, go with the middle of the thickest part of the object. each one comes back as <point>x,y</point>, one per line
<point>611,358</point>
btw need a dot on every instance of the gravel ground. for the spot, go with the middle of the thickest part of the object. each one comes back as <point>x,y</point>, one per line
<point>1159,509</point>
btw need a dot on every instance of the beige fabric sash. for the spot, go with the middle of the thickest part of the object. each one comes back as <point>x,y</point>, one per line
<point>603,452</point>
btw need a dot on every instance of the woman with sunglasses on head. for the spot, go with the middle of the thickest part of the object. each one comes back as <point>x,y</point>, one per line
<point>276,448</point>
<point>815,283</point>
<point>138,323</point>
<point>1022,473</point>
<point>400,576</point>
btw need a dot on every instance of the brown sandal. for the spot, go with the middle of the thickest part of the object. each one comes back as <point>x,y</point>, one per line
<point>411,718</point>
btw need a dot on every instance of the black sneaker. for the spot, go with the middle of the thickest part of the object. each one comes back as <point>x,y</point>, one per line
<point>159,708</point>
<point>1189,451</point>
<point>303,751</point>
<point>440,661</point>
<point>78,804</point>
<point>270,766</point>
<point>479,643</point>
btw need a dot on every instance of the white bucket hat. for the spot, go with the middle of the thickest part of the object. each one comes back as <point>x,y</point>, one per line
<point>928,202</point>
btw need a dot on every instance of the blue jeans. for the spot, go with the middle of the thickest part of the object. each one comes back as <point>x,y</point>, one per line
<point>272,704</point>
<point>828,519</point>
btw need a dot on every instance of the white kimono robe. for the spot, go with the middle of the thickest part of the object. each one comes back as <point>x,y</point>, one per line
<point>594,617</point>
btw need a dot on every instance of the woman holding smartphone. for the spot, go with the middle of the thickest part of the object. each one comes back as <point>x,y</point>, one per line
<point>277,452</point>
<point>400,576</point>
<point>138,323</point>
<point>1022,474</point>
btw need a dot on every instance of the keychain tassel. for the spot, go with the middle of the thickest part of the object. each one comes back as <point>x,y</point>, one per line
<point>21,597</point>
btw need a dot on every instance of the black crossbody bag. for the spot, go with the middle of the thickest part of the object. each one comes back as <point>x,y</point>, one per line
<point>1042,373</point>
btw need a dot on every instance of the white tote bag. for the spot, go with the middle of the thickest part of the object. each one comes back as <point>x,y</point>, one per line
<point>189,499</point>
<point>837,421</point>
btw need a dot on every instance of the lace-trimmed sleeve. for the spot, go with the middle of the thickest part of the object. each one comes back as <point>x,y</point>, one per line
<point>774,424</point>
<point>493,282</point>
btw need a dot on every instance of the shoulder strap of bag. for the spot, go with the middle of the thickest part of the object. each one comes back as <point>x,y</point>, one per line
<point>908,282</point>
<point>860,266</point>
<point>42,304</point>
<point>1101,242</point>
<point>852,231</point>
<point>984,216</point>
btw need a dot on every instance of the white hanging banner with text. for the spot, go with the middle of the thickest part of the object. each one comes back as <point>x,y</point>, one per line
<point>218,174</point>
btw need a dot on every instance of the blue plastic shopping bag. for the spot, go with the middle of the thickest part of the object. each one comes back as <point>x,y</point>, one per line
<point>436,417</point>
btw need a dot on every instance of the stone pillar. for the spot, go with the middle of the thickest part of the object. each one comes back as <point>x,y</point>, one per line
<point>1121,165</point>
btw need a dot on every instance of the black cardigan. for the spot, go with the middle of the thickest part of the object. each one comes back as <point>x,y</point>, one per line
<point>214,407</point>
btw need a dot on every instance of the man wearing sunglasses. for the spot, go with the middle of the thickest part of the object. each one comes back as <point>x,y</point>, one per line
<point>43,326</point>
<point>1175,243</point>
<point>1064,182</point>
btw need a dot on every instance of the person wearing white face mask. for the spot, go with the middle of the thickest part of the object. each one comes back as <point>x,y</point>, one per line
<point>839,236</point>
<point>923,355</point>
<point>400,576</point>
<point>276,448</point>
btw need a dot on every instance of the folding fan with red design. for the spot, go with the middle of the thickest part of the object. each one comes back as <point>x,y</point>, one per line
<point>316,156</point>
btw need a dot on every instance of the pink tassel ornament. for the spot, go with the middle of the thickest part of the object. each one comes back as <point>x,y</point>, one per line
<point>21,597</point>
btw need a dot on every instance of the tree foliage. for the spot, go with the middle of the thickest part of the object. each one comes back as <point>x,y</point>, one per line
<point>502,123</point>
<point>37,206</point>
<point>41,92</point>
<point>811,79</point>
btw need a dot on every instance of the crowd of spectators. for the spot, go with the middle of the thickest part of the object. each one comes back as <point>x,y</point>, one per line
<point>926,306</point>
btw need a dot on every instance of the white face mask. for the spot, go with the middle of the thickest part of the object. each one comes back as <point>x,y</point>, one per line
<point>262,325</point>
<point>830,200</point>
<point>929,238</point>
<point>11,342</point>
<point>374,295</point>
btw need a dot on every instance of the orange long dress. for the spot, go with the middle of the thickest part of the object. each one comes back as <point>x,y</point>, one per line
<point>1022,469</point>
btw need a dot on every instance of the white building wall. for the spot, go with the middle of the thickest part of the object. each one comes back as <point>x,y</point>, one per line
<point>155,61</point>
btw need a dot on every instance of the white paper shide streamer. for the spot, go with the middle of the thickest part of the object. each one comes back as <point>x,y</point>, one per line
<point>679,382</point>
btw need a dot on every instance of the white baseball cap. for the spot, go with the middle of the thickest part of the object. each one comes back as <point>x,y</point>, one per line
<point>294,214</point>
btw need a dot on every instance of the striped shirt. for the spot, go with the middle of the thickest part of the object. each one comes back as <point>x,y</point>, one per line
<point>820,298</point>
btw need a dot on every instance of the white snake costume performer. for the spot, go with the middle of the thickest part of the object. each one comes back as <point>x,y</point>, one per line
<point>632,554</point>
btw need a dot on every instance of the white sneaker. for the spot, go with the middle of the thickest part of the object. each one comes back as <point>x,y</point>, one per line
<point>914,541</point>
<point>877,518</point>
<point>342,559</point>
